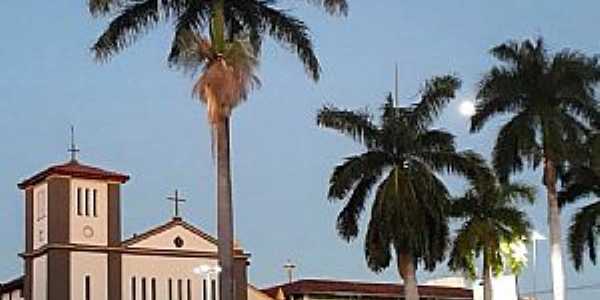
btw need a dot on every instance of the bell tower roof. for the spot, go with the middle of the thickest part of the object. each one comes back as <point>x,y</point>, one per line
<point>74,169</point>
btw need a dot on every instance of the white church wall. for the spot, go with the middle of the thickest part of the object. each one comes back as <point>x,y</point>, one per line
<point>164,240</point>
<point>40,215</point>
<point>40,277</point>
<point>80,224</point>
<point>93,265</point>
<point>162,269</point>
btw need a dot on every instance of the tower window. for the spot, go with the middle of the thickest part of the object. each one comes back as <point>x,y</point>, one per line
<point>179,289</point>
<point>189,289</point>
<point>87,288</point>
<point>170,287</point>
<point>153,289</point>
<point>144,288</point>
<point>204,289</point>
<point>87,202</point>
<point>94,195</point>
<point>133,288</point>
<point>79,202</point>
<point>213,289</point>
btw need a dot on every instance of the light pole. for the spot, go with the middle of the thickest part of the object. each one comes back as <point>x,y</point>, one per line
<point>535,236</point>
<point>207,272</point>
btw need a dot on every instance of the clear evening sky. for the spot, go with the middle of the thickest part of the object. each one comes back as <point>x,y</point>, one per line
<point>136,115</point>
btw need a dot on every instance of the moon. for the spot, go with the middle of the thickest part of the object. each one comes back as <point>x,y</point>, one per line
<point>467,108</point>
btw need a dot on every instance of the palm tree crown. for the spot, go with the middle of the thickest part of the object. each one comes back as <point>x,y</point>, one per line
<point>490,217</point>
<point>402,158</point>
<point>252,19</point>
<point>551,98</point>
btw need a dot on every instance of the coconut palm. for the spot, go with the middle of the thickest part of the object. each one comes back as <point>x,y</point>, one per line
<point>220,39</point>
<point>490,217</point>
<point>582,181</point>
<point>402,160</point>
<point>551,99</point>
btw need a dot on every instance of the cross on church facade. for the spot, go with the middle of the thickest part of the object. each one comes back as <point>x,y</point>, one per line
<point>176,200</point>
<point>73,149</point>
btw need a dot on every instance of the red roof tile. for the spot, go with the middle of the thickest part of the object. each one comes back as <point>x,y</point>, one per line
<point>75,169</point>
<point>333,287</point>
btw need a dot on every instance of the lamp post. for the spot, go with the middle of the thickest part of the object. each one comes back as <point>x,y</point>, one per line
<point>207,272</point>
<point>535,236</point>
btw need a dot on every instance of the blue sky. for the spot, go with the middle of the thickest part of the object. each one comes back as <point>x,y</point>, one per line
<point>136,115</point>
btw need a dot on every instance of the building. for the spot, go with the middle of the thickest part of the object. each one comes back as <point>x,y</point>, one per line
<point>74,250</point>
<point>320,289</point>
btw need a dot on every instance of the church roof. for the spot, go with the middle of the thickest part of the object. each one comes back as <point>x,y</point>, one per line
<point>176,221</point>
<point>13,285</point>
<point>75,169</point>
<point>355,288</point>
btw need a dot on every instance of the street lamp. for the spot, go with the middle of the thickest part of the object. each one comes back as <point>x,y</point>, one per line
<point>207,273</point>
<point>535,236</point>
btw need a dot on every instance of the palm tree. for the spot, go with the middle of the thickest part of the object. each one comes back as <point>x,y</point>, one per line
<point>582,181</point>
<point>222,40</point>
<point>551,100</point>
<point>402,159</point>
<point>490,218</point>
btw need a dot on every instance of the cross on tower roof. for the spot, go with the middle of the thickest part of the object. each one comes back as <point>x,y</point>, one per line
<point>73,148</point>
<point>176,201</point>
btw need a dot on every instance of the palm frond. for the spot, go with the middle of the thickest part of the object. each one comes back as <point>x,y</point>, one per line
<point>499,93</point>
<point>283,28</point>
<point>103,7</point>
<point>518,191</point>
<point>355,124</point>
<point>346,175</point>
<point>134,20</point>
<point>583,234</point>
<point>333,7</point>
<point>516,140</point>
<point>436,94</point>
<point>347,222</point>
<point>437,140</point>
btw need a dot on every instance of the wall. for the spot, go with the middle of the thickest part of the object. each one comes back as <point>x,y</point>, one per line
<point>98,224</point>
<point>40,215</point>
<point>40,279</point>
<point>93,265</point>
<point>162,268</point>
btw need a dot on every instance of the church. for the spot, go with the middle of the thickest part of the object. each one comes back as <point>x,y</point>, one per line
<point>74,251</point>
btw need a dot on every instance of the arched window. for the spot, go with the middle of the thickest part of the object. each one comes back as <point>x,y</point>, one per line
<point>170,289</point>
<point>79,202</point>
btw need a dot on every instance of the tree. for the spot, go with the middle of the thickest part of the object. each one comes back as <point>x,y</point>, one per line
<point>582,181</point>
<point>490,218</point>
<point>220,39</point>
<point>402,159</point>
<point>552,102</point>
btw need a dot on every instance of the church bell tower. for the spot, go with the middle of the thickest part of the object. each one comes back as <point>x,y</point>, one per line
<point>72,221</point>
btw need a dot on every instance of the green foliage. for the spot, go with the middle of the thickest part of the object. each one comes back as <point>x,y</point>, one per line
<point>251,19</point>
<point>492,222</point>
<point>581,182</point>
<point>401,164</point>
<point>551,99</point>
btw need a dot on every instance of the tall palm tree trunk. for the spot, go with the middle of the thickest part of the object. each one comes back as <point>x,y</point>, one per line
<point>407,270</point>
<point>556,259</point>
<point>487,277</point>
<point>224,210</point>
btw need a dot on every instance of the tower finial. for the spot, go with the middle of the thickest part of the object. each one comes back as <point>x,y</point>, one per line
<point>396,86</point>
<point>289,268</point>
<point>73,149</point>
<point>177,200</point>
